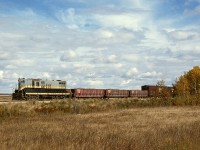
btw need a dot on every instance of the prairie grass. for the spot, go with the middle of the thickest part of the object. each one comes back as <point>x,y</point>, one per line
<point>100,124</point>
<point>69,106</point>
<point>138,128</point>
<point>5,98</point>
<point>82,106</point>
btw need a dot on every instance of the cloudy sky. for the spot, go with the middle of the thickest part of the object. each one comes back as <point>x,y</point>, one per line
<point>98,44</point>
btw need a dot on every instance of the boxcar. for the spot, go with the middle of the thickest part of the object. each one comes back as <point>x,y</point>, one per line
<point>153,91</point>
<point>156,91</point>
<point>115,93</point>
<point>88,93</point>
<point>138,93</point>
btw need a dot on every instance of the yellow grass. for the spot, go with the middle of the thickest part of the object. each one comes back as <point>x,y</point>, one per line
<point>5,98</point>
<point>135,128</point>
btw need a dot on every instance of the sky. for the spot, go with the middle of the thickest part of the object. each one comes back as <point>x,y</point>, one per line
<point>119,44</point>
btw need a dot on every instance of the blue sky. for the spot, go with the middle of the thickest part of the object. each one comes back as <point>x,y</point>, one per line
<point>98,44</point>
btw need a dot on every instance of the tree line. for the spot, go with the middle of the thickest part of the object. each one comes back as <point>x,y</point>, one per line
<point>188,83</point>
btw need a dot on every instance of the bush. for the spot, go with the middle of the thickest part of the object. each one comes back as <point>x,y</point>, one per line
<point>16,110</point>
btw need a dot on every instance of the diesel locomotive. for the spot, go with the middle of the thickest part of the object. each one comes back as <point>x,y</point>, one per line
<point>40,89</point>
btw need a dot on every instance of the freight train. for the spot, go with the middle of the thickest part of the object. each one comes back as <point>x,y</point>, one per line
<point>56,89</point>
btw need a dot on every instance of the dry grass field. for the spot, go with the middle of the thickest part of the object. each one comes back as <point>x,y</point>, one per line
<point>5,98</point>
<point>120,129</point>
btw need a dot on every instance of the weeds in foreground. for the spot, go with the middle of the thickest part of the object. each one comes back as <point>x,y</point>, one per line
<point>80,106</point>
<point>10,110</point>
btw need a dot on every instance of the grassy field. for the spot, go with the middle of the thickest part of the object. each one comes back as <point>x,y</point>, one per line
<point>5,98</point>
<point>89,126</point>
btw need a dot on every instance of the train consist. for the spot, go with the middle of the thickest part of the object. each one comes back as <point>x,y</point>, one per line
<point>56,89</point>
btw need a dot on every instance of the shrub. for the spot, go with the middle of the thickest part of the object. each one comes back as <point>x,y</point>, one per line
<point>16,110</point>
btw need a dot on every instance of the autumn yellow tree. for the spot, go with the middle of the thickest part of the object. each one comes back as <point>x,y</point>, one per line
<point>181,86</point>
<point>189,83</point>
<point>193,77</point>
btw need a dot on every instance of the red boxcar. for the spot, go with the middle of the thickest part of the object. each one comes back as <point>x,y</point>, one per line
<point>88,93</point>
<point>155,91</point>
<point>138,93</point>
<point>114,93</point>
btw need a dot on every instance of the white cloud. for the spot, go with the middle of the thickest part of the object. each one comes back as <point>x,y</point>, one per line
<point>23,62</point>
<point>155,39</point>
<point>4,56</point>
<point>10,66</point>
<point>9,75</point>
<point>130,21</point>
<point>69,56</point>
<point>95,82</point>
<point>1,74</point>
<point>132,57</point>
<point>118,65</point>
<point>8,36</point>
<point>151,74</point>
<point>125,82</point>
<point>15,75</point>
<point>106,37</point>
<point>68,17</point>
<point>112,58</point>
<point>183,35</point>
<point>105,34</point>
<point>46,75</point>
<point>132,72</point>
<point>142,4</point>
